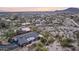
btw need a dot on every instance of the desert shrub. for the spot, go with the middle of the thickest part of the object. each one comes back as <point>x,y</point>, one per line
<point>40,47</point>
<point>43,40</point>
<point>40,44</point>
<point>4,24</point>
<point>8,34</point>
<point>13,17</point>
<point>47,38</point>
<point>35,29</point>
<point>45,34</point>
<point>66,42</point>
<point>77,35</point>
<point>50,40</point>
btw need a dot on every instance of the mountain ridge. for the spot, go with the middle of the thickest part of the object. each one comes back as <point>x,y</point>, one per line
<point>68,10</point>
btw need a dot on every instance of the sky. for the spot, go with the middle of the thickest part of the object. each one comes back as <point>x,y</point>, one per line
<point>18,9</point>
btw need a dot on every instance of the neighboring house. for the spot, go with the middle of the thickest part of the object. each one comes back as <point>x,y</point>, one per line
<point>24,39</point>
<point>25,29</point>
<point>22,30</point>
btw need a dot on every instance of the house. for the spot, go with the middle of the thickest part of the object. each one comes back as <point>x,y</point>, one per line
<point>22,30</point>
<point>24,39</point>
<point>25,29</point>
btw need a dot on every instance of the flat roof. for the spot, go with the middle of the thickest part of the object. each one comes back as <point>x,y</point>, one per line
<point>24,38</point>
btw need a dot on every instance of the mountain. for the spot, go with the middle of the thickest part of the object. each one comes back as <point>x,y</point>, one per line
<point>72,10</point>
<point>68,10</point>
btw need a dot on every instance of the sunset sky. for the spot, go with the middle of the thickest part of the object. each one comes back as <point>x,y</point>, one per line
<point>18,9</point>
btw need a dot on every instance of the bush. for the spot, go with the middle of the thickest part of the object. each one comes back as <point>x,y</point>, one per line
<point>49,41</point>
<point>10,33</point>
<point>35,29</point>
<point>40,44</point>
<point>66,42</point>
<point>77,34</point>
<point>47,38</point>
<point>40,47</point>
<point>43,40</point>
<point>13,17</point>
<point>4,24</point>
<point>45,34</point>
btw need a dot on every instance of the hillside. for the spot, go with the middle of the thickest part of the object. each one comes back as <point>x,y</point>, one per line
<point>59,29</point>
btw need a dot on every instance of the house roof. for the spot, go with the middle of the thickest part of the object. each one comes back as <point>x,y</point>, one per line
<point>25,38</point>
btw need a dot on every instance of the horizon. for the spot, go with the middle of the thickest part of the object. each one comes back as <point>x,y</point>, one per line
<point>30,9</point>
